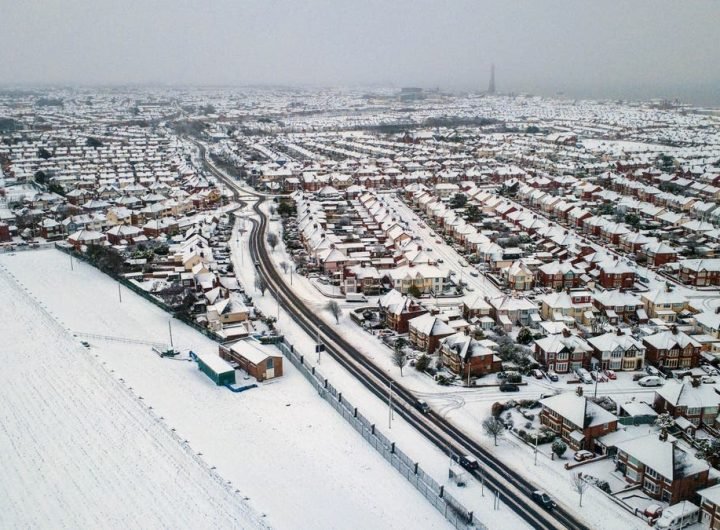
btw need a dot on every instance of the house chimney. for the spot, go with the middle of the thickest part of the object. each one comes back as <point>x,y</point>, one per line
<point>566,332</point>
<point>674,330</point>
<point>619,332</point>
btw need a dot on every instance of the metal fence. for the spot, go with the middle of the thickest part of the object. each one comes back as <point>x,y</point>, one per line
<point>459,516</point>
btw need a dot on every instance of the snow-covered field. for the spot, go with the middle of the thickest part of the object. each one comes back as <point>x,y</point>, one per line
<point>79,450</point>
<point>286,451</point>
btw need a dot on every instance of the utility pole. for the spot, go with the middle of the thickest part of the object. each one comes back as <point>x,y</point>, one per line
<point>170,329</point>
<point>319,347</point>
<point>71,263</point>
<point>536,450</point>
<point>390,405</point>
<point>119,293</point>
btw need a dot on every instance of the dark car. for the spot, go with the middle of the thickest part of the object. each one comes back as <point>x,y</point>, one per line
<point>509,387</point>
<point>553,377</point>
<point>543,499</point>
<point>422,406</point>
<point>466,461</point>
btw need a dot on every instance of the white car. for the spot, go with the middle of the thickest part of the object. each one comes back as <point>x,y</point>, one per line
<point>651,380</point>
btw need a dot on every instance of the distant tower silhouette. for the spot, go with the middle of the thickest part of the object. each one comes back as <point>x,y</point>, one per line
<point>491,88</point>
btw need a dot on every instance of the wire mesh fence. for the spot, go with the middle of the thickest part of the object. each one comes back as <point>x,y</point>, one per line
<point>453,511</point>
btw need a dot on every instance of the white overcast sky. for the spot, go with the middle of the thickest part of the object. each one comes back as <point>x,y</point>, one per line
<point>603,48</point>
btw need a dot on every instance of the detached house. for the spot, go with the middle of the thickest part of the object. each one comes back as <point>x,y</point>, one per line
<point>426,331</point>
<point>465,356</point>
<point>577,420</point>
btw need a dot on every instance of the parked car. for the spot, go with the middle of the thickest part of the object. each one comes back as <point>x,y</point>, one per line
<point>611,375</point>
<point>707,379</point>
<point>709,369</point>
<point>653,511</point>
<point>651,380</point>
<point>537,374</point>
<point>509,387</point>
<point>543,499</point>
<point>583,375</point>
<point>652,370</point>
<point>466,461</point>
<point>553,377</point>
<point>581,456</point>
<point>598,376</point>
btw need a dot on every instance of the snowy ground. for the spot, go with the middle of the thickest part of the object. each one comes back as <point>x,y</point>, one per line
<point>79,450</point>
<point>280,445</point>
<point>417,447</point>
<point>466,407</point>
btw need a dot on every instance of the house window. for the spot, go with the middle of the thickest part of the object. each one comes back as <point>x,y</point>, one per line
<point>561,367</point>
<point>650,486</point>
<point>651,473</point>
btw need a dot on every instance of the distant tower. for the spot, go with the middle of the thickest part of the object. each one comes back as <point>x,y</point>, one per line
<point>491,88</point>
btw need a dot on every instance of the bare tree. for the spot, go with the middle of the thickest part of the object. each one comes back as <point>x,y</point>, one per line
<point>335,310</point>
<point>260,284</point>
<point>399,357</point>
<point>272,240</point>
<point>493,428</point>
<point>579,484</point>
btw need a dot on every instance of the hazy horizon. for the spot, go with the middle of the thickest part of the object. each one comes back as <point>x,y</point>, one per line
<point>614,49</point>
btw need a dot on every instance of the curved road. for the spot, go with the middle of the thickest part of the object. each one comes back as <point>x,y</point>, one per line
<point>514,489</point>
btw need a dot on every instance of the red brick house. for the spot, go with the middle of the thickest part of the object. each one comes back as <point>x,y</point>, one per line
<point>426,331</point>
<point>616,275</point>
<point>464,355</point>
<point>700,272</point>
<point>658,254</point>
<point>5,232</point>
<point>558,275</point>
<point>662,469</point>
<point>672,349</point>
<point>578,421</point>
<point>398,310</point>
<point>698,405</point>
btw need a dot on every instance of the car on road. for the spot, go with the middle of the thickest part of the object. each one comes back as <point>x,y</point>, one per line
<point>582,455</point>
<point>428,249</point>
<point>466,461</point>
<point>422,406</point>
<point>474,273</point>
<point>610,374</point>
<point>509,387</point>
<point>438,241</point>
<point>651,380</point>
<point>543,499</point>
<point>440,260</point>
<point>463,263</point>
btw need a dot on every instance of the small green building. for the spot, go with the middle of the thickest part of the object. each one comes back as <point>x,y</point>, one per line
<point>217,369</point>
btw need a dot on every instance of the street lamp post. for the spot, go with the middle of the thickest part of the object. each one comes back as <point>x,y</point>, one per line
<point>390,405</point>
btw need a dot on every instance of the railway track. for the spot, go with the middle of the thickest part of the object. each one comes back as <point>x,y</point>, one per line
<point>514,490</point>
